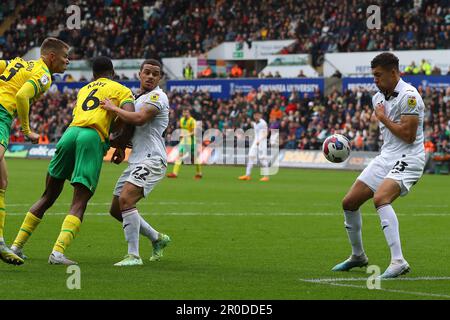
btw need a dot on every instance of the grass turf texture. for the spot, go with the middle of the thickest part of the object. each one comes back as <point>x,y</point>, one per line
<point>230,239</point>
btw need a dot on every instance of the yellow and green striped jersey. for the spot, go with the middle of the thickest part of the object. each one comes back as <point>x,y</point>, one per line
<point>87,112</point>
<point>15,73</point>
<point>188,124</point>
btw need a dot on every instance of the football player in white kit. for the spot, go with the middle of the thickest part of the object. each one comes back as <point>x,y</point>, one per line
<point>258,149</point>
<point>400,111</point>
<point>146,165</point>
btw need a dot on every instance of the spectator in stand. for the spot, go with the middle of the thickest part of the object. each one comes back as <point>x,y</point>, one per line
<point>429,146</point>
<point>436,71</point>
<point>207,73</point>
<point>277,74</point>
<point>412,69</point>
<point>236,71</point>
<point>275,114</point>
<point>301,74</point>
<point>143,29</point>
<point>43,138</point>
<point>425,67</point>
<point>188,72</point>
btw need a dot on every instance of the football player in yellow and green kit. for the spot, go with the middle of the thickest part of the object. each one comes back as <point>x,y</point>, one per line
<point>78,158</point>
<point>21,82</point>
<point>187,145</point>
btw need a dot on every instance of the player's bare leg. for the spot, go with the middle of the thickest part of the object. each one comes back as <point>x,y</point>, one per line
<point>388,191</point>
<point>32,219</point>
<point>6,254</point>
<point>114,210</point>
<point>71,225</point>
<point>358,194</point>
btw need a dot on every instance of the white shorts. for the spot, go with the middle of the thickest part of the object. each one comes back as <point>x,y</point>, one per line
<point>258,151</point>
<point>405,170</point>
<point>145,175</point>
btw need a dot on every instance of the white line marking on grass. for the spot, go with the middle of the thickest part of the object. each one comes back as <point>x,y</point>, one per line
<point>233,214</point>
<point>365,279</point>
<point>416,293</point>
<point>109,203</point>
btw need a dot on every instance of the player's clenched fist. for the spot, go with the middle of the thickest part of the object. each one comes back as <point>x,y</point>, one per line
<point>118,156</point>
<point>379,111</point>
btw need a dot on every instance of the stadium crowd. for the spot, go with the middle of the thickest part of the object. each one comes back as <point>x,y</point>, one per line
<point>303,122</point>
<point>190,28</point>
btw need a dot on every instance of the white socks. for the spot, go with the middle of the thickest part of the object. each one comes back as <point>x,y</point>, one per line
<point>389,223</point>
<point>147,230</point>
<point>353,225</point>
<point>131,225</point>
<point>249,167</point>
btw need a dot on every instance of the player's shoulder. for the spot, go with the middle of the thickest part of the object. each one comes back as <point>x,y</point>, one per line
<point>410,94</point>
<point>157,94</point>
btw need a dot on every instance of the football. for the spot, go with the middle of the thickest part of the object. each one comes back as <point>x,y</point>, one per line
<point>336,148</point>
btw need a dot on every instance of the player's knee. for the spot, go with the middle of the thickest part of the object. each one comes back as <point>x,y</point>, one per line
<point>349,204</point>
<point>380,199</point>
<point>125,203</point>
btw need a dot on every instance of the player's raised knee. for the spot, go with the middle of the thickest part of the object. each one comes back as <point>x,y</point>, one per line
<point>349,204</point>
<point>380,199</point>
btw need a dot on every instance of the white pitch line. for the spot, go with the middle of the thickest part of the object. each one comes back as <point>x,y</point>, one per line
<point>365,279</point>
<point>416,293</point>
<point>249,214</point>
<point>109,203</point>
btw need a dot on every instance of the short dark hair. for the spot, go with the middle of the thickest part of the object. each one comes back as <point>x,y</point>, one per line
<point>152,62</point>
<point>386,60</point>
<point>53,44</point>
<point>102,66</point>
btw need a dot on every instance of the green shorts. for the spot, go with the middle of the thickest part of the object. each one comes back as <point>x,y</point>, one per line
<point>186,147</point>
<point>79,157</point>
<point>5,126</point>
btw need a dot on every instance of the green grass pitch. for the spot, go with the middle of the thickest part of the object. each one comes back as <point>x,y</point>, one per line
<point>230,239</point>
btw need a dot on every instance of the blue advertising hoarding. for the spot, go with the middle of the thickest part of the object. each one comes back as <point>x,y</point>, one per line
<point>224,88</point>
<point>416,81</point>
<point>62,86</point>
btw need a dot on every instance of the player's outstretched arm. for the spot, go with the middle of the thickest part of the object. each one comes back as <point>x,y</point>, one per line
<point>23,97</point>
<point>136,118</point>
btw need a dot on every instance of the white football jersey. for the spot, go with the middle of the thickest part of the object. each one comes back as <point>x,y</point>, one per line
<point>405,100</point>
<point>148,141</point>
<point>260,131</point>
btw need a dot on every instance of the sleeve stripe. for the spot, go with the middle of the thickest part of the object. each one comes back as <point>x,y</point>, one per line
<point>154,104</point>
<point>35,87</point>
<point>126,101</point>
<point>409,114</point>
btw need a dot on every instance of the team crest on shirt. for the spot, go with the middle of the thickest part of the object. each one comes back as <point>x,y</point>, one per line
<point>44,79</point>
<point>154,97</point>
<point>412,102</point>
